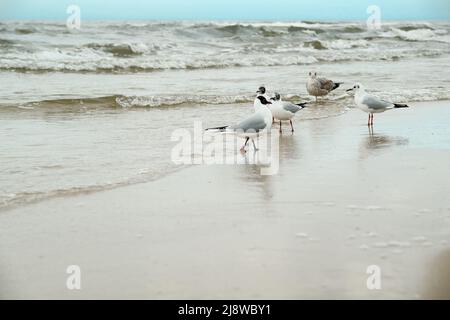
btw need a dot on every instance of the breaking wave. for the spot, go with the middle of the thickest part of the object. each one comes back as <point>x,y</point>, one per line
<point>121,101</point>
<point>166,101</point>
<point>151,46</point>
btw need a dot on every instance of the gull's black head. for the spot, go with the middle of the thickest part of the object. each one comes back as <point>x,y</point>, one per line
<point>276,97</point>
<point>355,87</point>
<point>261,90</point>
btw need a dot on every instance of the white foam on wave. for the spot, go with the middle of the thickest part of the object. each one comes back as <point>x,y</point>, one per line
<point>195,45</point>
<point>172,100</point>
<point>347,44</point>
<point>439,35</point>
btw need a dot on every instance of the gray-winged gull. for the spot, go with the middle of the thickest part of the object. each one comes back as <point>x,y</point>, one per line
<point>372,104</point>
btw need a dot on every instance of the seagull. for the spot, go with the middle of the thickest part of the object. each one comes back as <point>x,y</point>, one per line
<point>320,86</point>
<point>372,104</point>
<point>253,126</point>
<point>284,110</point>
<point>261,92</point>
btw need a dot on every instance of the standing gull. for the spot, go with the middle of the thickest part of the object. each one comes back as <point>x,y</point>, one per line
<point>261,99</point>
<point>261,92</point>
<point>372,104</point>
<point>284,110</point>
<point>253,126</point>
<point>318,87</point>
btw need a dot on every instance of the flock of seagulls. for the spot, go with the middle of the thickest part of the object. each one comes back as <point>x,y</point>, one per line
<point>273,109</point>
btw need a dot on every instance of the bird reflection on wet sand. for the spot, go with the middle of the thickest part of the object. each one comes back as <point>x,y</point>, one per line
<point>374,142</point>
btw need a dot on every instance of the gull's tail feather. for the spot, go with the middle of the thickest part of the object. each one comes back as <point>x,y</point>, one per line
<point>336,85</point>
<point>303,104</point>
<point>400,105</point>
<point>217,128</point>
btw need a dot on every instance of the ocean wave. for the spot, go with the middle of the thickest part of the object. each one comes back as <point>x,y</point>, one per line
<point>354,29</point>
<point>281,29</point>
<point>235,28</point>
<point>410,34</point>
<point>348,44</point>
<point>306,30</point>
<point>25,30</point>
<point>336,44</point>
<point>415,27</point>
<point>422,35</point>
<point>174,100</point>
<point>148,101</point>
<point>121,49</point>
<point>167,101</point>
<point>8,201</point>
<point>337,51</point>
<point>417,95</point>
<point>6,43</point>
<point>91,60</point>
<point>316,44</point>
<point>11,200</point>
<point>229,27</point>
<point>155,46</point>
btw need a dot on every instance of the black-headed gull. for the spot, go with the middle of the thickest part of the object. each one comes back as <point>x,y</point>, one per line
<point>260,93</point>
<point>253,126</point>
<point>284,110</point>
<point>372,104</point>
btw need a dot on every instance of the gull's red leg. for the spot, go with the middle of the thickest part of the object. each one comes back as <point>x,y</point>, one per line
<point>245,144</point>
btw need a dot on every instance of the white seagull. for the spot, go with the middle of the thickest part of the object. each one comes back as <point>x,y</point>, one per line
<point>261,92</point>
<point>253,126</point>
<point>284,110</point>
<point>318,87</point>
<point>372,104</point>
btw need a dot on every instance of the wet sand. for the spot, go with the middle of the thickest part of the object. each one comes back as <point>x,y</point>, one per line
<point>343,199</point>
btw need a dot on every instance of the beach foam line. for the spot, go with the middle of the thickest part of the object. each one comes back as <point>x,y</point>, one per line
<point>10,201</point>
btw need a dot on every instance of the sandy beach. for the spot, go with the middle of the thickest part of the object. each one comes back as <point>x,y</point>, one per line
<point>344,199</point>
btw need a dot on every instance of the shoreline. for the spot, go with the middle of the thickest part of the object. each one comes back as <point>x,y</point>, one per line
<point>342,200</point>
<point>75,191</point>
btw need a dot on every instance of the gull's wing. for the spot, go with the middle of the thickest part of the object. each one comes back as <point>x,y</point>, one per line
<point>376,104</point>
<point>326,84</point>
<point>254,123</point>
<point>288,106</point>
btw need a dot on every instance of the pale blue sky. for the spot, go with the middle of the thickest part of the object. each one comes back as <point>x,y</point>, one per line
<point>225,9</point>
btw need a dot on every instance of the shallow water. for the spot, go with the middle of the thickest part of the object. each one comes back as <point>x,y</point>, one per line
<point>95,109</point>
